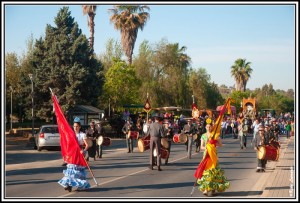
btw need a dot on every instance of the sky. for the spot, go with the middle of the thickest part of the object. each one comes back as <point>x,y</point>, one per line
<point>215,35</point>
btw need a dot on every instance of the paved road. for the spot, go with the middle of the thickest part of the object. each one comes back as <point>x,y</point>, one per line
<point>32,174</point>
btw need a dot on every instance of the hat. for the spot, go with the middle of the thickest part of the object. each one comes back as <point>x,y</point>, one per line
<point>76,120</point>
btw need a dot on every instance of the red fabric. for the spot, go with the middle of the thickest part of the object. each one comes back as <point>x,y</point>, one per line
<point>194,106</point>
<point>199,171</point>
<point>213,142</point>
<point>70,148</point>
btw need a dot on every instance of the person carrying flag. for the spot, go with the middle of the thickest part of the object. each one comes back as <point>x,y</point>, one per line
<point>75,175</point>
<point>72,143</point>
<point>209,176</point>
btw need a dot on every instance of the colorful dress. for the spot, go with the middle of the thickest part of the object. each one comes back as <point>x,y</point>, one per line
<point>75,175</point>
<point>209,174</point>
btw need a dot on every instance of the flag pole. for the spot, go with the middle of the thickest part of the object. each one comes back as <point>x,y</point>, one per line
<point>90,170</point>
<point>81,154</point>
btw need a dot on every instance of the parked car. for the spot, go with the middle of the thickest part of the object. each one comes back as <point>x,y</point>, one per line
<point>47,137</point>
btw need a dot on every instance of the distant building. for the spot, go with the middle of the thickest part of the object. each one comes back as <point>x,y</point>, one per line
<point>85,113</point>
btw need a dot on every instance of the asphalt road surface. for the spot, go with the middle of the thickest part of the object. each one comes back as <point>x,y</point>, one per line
<point>30,174</point>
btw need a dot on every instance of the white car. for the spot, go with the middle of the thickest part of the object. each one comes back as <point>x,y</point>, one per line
<point>47,136</point>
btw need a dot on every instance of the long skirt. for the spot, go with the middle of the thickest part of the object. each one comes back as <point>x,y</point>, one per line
<point>213,179</point>
<point>75,176</point>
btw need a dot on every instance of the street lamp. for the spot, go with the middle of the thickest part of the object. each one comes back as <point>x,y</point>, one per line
<point>31,79</point>
<point>109,108</point>
<point>11,91</point>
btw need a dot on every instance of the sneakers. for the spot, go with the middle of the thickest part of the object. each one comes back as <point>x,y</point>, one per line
<point>69,188</point>
<point>257,170</point>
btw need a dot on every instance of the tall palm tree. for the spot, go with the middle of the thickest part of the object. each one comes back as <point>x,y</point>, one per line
<point>128,19</point>
<point>241,71</point>
<point>91,11</point>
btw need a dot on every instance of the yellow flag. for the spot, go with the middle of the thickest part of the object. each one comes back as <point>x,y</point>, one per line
<point>217,126</point>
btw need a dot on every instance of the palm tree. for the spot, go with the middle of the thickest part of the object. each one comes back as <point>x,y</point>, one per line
<point>128,19</point>
<point>90,10</point>
<point>241,72</point>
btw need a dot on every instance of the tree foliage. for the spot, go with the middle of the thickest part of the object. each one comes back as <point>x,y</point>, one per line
<point>64,62</point>
<point>113,52</point>
<point>121,85</point>
<point>241,71</point>
<point>128,19</point>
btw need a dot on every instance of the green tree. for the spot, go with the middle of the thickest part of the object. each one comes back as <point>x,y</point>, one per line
<point>121,85</point>
<point>90,10</point>
<point>206,93</point>
<point>128,19</point>
<point>268,98</point>
<point>12,73</point>
<point>171,69</point>
<point>64,62</point>
<point>241,71</point>
<point>113,52</point>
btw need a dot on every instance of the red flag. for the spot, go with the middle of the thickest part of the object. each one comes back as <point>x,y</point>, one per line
<point>70,148</point>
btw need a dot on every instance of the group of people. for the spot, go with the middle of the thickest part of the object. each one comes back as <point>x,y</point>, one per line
<point>75,175</point>
<point>92,134</point>
<point>210,177</point>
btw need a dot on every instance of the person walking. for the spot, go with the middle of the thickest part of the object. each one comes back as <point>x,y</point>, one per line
<point>168,134</point>
<point>156,132</point>
<point>242,136</point>
<point>223,127</point>
<point>92,133</point>
<point>129,141</point>
<point>255,127</point>
<point>189,130</point>
<point>99,147</point>
<point>210,177</point>
<point>288,129</point>
<point>199,128</point>
<point>75,175</point>
<point>259,141</point>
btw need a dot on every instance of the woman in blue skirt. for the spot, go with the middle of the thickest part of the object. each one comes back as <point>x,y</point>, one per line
<point>75,175</point>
